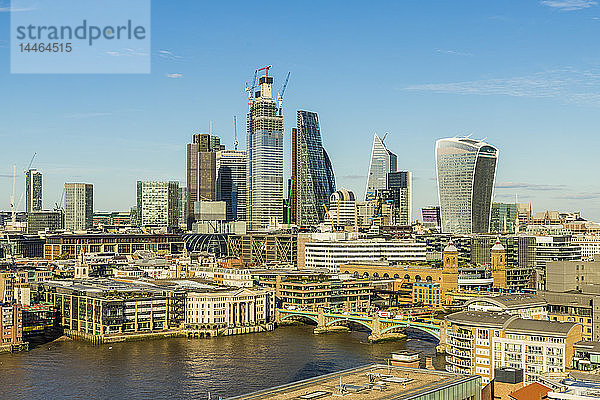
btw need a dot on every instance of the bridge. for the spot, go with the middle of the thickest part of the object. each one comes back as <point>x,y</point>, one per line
<point>381,328</point>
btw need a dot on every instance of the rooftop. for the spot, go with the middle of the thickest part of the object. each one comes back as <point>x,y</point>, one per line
<point>371,382</point>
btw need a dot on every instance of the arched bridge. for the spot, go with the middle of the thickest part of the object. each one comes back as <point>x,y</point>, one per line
<point>380,327</point>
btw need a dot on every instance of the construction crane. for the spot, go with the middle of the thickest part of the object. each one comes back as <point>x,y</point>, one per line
<point>280,95</point>
<point>235,141</point>
<point>250,89</point>
<point>333,226</point>
<point>25,172</point>
<point>266,69</point>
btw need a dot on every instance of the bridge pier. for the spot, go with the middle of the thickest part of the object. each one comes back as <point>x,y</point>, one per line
<point>322,324</point>
<point>377,336</point>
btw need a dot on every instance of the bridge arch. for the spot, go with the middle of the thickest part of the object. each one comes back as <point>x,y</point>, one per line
<point>356,321</point>
<point>430,332</point>
<point>300,317</point>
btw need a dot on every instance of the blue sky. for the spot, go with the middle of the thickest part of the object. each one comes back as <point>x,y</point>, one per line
<point>525,74</point>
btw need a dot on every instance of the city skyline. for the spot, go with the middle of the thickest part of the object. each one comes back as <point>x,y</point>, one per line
<point>454,78</point>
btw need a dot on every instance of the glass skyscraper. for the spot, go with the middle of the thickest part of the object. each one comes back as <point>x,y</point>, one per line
<point>466,172</point>
<point>312,180</point>
<point>264,127</point>
<point>33,190</point>
<point>383,162</point>
<point>157,203</point>
<point>231,182</point>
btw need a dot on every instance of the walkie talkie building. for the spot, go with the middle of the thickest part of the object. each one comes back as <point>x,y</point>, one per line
<point>466,172</point>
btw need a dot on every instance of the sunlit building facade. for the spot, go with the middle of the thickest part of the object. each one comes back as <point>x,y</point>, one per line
<point>466,172</point>
<point>382,162</point>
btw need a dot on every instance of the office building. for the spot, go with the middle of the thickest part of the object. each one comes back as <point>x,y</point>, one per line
<point>399,185</point>
<point>182,206</point>
<point>589,244</point>
<point>478,342</point>
<point>553,248</point>
<point>42,221</point>
<point>264,128</point>
<point>312,180</point>
<point>382,162</point>
<point>11,324</point>
<point>231,182</point>
<point>504,218</point>
<point>330,254</point>
<point>79,206</point>
<point>74,244</point>
<point>157,203</point>
<point>261,248</point>
<point>431,217</point>
<point>201,170</point>
<point>466,172</point>
<point>33,190</point>
<point>343,210</point>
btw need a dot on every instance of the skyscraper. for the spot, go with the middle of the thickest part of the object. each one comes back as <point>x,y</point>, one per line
<point>312,180</point>
<point>201,176</point>
<point>264,127</point>
<point>503,218</point>
<point>79,206</point>
<point>382,162</point>
<point>157,203</point>
<point>231,182</point>
<point>33,190</point>
<point>182,206</point>
<point>466,172</point>
<point>400,186</point>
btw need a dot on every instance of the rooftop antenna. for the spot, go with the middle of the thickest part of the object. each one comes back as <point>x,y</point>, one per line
<point>235,141</point>
<point>210,129</point>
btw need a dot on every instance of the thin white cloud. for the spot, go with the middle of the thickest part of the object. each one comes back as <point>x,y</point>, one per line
<point>175,76</point>
<point>126,53</point>
<point>567,85</point>
<point>528,186</point>
<point>453,52</point>
<point>569,5</point>
<point>12,9</point>
<point>169,55</point>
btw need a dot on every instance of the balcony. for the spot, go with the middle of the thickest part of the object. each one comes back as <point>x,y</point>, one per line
<point>459,353</point>
<point>460,345</point>
<point>459,362</point>
<point>456,335</point>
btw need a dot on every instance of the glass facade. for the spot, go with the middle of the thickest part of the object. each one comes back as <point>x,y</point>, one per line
<point>157,203</point>
<point>264,127</point>
<point>231,183</point>
<point>504,218</point>
<point>33,190</point>
<point>312,173</point>
<point>466,172</point>
<point>79,206</point>
<point>383,162</point>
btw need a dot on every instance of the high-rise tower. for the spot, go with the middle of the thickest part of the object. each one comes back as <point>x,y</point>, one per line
<point>312,180</point>
<point>264,127</point>
<point>466,172</point>
<point>33,190</point>
<point>79,206</point>
<point>201,176</point>
<point>231,182</point>
<point>382,162</point>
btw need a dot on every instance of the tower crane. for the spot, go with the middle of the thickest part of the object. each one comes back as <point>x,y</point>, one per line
<point>280,95</point>
<point>250,89</point>
<point>266,69</point>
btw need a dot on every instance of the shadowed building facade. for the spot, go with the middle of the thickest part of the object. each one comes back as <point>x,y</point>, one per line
<point>312,180</point>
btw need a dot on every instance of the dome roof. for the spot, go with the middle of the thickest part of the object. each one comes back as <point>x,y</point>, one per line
<point>450,248</point>
<point>498,246</point>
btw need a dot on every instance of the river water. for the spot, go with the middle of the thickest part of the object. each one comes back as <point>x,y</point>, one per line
<point>182,368</point>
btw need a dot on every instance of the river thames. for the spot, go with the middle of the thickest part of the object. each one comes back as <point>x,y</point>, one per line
<point>182,368</point>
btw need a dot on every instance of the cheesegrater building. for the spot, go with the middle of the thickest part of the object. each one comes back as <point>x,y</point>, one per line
<point>466,172</point>
<point>382,162</point>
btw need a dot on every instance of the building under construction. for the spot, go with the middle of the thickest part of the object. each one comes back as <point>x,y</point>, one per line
<point>260,249</point>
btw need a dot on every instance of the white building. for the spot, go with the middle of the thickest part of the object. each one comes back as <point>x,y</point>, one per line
<point>157,203</point>
<point>589,244</point>
<point>331,254</point>
<point>229,308</point>
<point>223,276</point>
<point>342,209</point>
<point>79,206</point>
